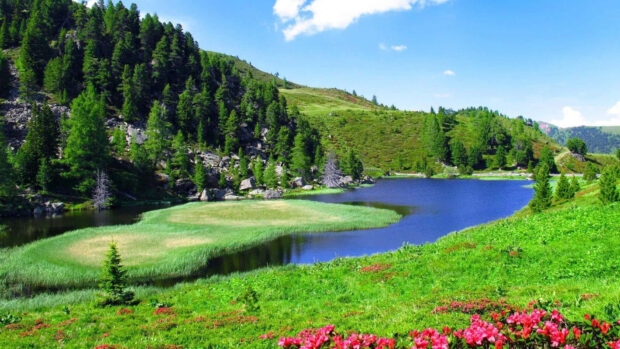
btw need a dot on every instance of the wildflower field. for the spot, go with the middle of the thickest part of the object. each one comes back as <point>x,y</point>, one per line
<point>531,281</point>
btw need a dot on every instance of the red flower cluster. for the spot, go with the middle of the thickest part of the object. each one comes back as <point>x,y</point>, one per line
<point>125,311</point>
<point>164,310</point>
<point>537,328</point>
<point>326,337</point>
<point>375,268</point>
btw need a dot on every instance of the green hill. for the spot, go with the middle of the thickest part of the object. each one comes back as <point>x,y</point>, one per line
<point>604,140</point>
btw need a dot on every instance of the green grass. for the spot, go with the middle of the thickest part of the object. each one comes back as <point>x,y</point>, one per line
<point>321,101</point>
<point>176,241</point>
<point>558,255</point>
<point>567,163</point>
<point>319,191</point>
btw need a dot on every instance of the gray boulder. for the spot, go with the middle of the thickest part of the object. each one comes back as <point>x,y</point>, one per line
<point>346,180</point>
<point>273,194</point>
<point>206,196</point>
<point>298,182</point>
<point>307,187</point>
<point>185,186</point>
<point>248,184</point>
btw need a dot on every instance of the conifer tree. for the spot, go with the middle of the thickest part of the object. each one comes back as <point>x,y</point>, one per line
<point>258,171</point>
<point>157,133</point>
<point>113,281</point>
<point>500,158</point>
<point>185,108</point>
<point>284,178</point>
<point>87,143</point>
<point>546,157</point>
<point>130,108</point>
<point>118,141</point>
<point>223,182</point>
<point>41,143</point>
<point>270,176</point>
<point>200,175</point>
<point>542,190</point>
<point>5,75</point>
<point>574,186</point>
<point>53,80</point>
<point>300,161</point>
<point>352,165</point>
<point>5,36</point>
<point>589,174</point>
<point>7,185</point>
<point>563,189</point>
<point>459,154</point>
<point>608,184</point>
<point>232,125</point>
<point>243,164</point>
<point>180,159</point>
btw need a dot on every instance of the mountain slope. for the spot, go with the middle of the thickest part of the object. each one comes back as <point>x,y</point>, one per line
<point>604,140</point>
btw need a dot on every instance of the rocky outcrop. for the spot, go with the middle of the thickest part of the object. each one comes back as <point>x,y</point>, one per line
<point>248,184</point>
<point>49,209</point>
<point>298,182</point>
<point>346,181</point>
<point>272,194</point>
<point>578,157</point>
<point>16,118</point>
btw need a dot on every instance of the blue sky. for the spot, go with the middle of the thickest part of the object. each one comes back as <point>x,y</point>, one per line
<point>551,60</point>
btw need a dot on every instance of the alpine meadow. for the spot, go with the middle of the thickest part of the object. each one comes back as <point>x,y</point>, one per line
<point>459,189</point>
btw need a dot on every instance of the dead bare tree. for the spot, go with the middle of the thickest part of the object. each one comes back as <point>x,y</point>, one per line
<point>101,196</point>
<point>331,172</point>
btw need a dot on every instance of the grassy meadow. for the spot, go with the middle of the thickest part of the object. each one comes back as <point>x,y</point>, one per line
<point>175,241</point>
<point>567,256</point>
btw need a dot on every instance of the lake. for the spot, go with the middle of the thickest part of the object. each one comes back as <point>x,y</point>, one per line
<point>431,208</point>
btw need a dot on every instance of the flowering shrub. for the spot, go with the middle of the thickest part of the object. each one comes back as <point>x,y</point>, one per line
<point>537,328</point>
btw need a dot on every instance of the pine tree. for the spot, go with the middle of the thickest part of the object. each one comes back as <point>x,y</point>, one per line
<point>113,281</point>
<point>546,157</point>
<point>157,133</point>
<point>53,80</point>
<point>258,171</point>
<point>542,190</point>
<point>130,108</point>
<point>300,161</point>
<point>118,141</point>
<point>243,164</point>
<point>574,186</point>
<point>459,154</point>
<point>352,165</point>
<point>7,185</point>
<point>5,75</point>
<point>180,159</point>
<point>232,125</point>
<point>284,178</point>
<point>608,184</point>
<point>563,189</point>
<point>185,108</point>
<point>271,177</point>
<point>200,175</point>
<point>223,182</point>
<point>589,174</point>
<point>87,143</point>
<point>500,158</point>
<point>41,143</point>
<point>44,175</point>
<point>5,36</point>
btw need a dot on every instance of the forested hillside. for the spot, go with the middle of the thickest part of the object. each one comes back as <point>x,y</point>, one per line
<point>604,140</point>
<point>144,99</point>
<point>389,139</point>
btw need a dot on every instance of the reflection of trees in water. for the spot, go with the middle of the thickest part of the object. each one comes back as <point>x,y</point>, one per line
<point>276,252</point>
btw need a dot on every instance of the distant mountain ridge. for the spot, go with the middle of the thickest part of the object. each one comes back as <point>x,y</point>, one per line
<point>600,139</point>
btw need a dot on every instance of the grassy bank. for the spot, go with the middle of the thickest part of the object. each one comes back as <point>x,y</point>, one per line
<point>567,256</point>
<point>177,241</point>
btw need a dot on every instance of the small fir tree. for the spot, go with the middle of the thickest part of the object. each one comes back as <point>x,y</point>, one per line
<point>589,174</point>
<point>284,178</point>
<point>200,175</point>
<point>113,281</point>
<point>563,190</point>
<point>542,190</point>
<point>574,186</point>
<point>609,191</point>
<point>271,177</point>
<point>258,171</point>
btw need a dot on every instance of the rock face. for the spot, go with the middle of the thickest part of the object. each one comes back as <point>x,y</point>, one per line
<point>206,196</point>
<point>248,184</point>
<point>16,118</point>
<point>298,182</point>
<point>185,187</point>
<point>346,180</point>
<point>273,194</point>
<point>579,157</point>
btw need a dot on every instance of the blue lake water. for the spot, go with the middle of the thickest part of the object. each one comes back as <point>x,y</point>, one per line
<point>431,208</point>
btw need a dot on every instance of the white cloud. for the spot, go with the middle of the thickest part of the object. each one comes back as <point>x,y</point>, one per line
<point>615,120</point>
<point>570,118</point>
<point>287,9</point>
<point>397,48</point>
<point>449,73</point>
<point>313,16</point>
